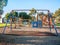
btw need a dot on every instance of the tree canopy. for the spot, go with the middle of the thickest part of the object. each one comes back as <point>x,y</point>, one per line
<point>15,14</point>
<point>32,11</point>
<point>24,15</point>
<point>7,16</point>
<point>57,16</point>
<point>12,15</point>
<point>57,13</point>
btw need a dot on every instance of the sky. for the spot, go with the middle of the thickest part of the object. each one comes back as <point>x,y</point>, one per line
<point>51,5</point>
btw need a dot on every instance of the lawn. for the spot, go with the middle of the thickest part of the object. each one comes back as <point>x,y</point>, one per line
<point>3,24</point>
<point>58,24</point>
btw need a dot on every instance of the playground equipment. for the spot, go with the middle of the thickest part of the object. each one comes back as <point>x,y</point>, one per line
<point>38,23</point>
<point>44,19</point>
<point>11,17</point>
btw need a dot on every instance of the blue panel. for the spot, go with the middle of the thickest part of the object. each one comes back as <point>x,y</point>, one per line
<point>35,24</point>
<point>40,24</point>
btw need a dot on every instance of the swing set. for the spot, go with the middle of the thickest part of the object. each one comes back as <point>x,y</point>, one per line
<point>49,17</point>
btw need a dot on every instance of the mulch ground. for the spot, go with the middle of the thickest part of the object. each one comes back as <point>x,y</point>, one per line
<point>30,33</point>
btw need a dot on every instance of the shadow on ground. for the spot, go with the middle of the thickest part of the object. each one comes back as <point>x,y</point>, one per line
<point>29,40</point>
<point>30,33</point>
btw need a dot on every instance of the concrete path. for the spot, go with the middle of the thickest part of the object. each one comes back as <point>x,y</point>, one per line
<point>30,40</point>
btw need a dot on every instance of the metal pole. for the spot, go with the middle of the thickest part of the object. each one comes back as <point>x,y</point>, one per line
<point>10,24</point>
<point>5,27</point>
<point>49,20</point>
<point>18,17</point>
<point>55,27</point>
<point>30,10</point>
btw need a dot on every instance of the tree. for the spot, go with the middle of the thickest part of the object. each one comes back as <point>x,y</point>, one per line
<point>57,13</point>
<point>15,14</point>
<point>32,11</point>
<point>3,3</point>
<point>24,15</point>
<point>12,17</point>
<point>7,16</point>
<point>57,16</point>
<point>40,15</point>
<point>57,19</point>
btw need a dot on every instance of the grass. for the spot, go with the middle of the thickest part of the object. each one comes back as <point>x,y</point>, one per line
<point>58,24</point>
<point>3,24</point>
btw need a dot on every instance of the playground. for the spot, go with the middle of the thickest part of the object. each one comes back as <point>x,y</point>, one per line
<point>42,25</point>
<point>21,25</point>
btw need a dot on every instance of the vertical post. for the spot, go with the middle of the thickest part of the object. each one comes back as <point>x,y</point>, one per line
<point>37,17</point>
<point>15,22</point>
<point>18,20</point>
<point>49,20</point>
<point>42,19</point>
<point>5,27</point>
<point>10,23</point>
<point>55,27</point>
<point>29,22</point>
